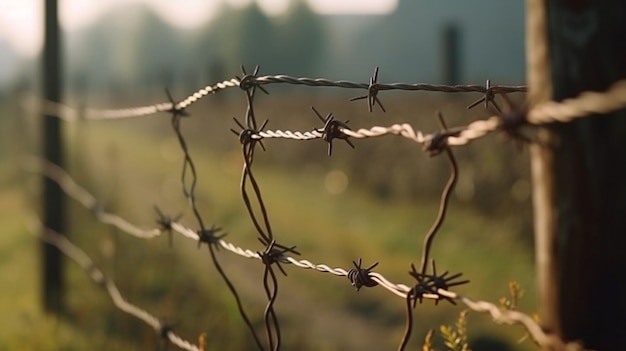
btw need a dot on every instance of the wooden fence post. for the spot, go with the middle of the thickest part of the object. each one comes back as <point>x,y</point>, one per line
<point>579,172</point>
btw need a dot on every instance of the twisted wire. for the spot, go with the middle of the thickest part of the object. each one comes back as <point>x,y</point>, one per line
<point>205,235</point>
<point>323,82</point>
<point>585,104</point>
<point>456,136</point>
<point>429,286</point>
<point>86,263</point>
<point>273,252</point>
<point>73,114</point>
<point>78,193</point>
<point>401,290</point>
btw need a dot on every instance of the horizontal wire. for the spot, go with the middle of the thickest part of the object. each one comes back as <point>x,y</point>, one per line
<point>400,290</point>
<point>464,135</point>
<point>86,263</point>
<point>78,193</point>
<point>585,104</point>
<point>511,317</point>
<point>69,114</point>
<point>323,82</point>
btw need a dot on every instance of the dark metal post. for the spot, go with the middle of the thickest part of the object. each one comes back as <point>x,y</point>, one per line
<point>53,200</point>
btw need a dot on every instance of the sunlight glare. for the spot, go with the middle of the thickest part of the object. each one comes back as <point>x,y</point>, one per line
<point>353,7</point>
<point>21,24</point>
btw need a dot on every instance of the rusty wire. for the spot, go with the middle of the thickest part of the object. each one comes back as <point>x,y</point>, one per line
<point>432,286</point>
<point>425,284</point>
<point>254,81</point>
<point>273,253</point>
<point>437,146</point>
<point>208,236</point>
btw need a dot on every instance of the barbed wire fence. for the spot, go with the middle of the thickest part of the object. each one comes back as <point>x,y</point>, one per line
<point>427,282</point>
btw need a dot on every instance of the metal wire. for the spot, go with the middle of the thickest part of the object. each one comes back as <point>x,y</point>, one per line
<point>86,263</point>
<point>398,289</point>
<point>252,81</point>
<point>432,286</point>
<point>205,235</point>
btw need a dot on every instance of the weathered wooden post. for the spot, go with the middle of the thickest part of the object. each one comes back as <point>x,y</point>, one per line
<point>579,172</point>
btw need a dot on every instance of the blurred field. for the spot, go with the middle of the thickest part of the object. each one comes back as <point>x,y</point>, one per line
<point>380,214</point>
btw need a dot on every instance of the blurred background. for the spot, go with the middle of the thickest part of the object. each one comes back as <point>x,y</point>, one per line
<point>375,202</point>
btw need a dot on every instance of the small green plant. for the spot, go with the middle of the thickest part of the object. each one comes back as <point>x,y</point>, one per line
<point>428,340</point>
<point>455,337</point>
<point>515,294</point>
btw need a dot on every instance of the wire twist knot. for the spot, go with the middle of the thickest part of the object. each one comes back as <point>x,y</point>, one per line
<point>248,82</point>
<point>431,283</point>
<point>360,277</point>
<point>210,236</point>
<point>275,253</point>
<point>333,129</point>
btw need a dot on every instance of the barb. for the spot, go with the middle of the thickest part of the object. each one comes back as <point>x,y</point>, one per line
<point>489,98</point>
<point>427,285</point>
<point>372,93</point>
<point>360,277</point>
<point>86,263</point>
<point>332,130</point>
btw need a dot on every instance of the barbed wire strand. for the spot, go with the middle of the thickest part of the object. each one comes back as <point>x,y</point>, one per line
<point>585,104</point>
<point>206,235</point>
<point>401,290</point>
<point>273,251</point>
<point>73,114</point>
<point>87,264</point>
<point>78,193</point>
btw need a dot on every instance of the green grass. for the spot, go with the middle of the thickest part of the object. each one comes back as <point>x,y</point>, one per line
<point>131,171</point>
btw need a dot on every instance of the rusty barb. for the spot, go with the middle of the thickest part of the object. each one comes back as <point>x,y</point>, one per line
<point>333,129</point>
<point>425,285</point>
<point>372,93</point>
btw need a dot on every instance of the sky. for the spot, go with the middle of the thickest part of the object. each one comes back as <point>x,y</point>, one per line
<point>21,21</point>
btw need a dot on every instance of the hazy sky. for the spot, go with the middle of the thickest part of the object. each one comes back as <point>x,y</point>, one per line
<point>21,21</point>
